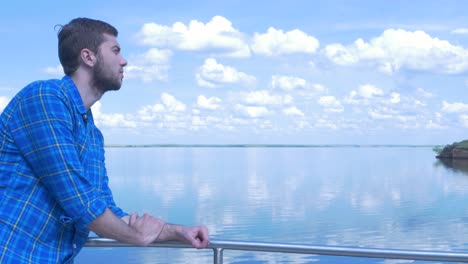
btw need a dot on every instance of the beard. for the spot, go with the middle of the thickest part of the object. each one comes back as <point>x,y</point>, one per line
<point>104,79</point>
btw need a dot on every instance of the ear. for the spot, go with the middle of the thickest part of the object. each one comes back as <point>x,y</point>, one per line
<point>88,57</point>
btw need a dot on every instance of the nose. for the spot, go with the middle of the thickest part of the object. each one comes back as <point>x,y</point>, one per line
<point>123,61</point>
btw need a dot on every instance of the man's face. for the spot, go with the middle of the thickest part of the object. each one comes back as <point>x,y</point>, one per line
<point>108,70</point>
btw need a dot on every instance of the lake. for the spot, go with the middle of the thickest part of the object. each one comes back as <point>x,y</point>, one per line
<point>397,197</point>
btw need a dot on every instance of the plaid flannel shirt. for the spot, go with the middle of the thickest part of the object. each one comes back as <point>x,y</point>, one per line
<point>53,180</point>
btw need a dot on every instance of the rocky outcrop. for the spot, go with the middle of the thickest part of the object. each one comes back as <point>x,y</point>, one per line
<point>457,150</point>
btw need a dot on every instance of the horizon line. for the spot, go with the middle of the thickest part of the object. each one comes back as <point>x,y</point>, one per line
<point>172,145</point>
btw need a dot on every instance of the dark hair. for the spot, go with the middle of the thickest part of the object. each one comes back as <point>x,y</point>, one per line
<point>79,34</point>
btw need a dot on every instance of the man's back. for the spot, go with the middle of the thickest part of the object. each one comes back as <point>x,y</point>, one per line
<point>51,172</point>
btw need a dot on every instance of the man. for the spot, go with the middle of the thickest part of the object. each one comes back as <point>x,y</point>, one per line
<point>53,182</point>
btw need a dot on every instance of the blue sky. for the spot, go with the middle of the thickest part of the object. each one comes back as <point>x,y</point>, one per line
<point>299,72</point>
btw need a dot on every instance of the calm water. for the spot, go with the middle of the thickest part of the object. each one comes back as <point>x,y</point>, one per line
<point>379,197</point>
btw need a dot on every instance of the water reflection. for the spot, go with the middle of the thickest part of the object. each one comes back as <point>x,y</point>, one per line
<point>459,165</point>
<point>372,197</point>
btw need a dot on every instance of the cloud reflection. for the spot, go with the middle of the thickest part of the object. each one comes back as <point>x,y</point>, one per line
<point>371,197</point>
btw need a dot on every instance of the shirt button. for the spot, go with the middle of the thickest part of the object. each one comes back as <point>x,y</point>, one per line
<point>74,246</point>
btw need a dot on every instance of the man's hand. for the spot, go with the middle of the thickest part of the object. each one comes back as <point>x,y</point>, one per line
<point>148,227</point>
<point>152,229</point>
<point>197,236</point>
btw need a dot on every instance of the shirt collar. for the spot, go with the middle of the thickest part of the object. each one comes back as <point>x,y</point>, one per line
<point>73,92</point>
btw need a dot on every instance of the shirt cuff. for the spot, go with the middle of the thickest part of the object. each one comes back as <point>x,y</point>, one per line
<point>95,209</point>
<point>117,211</point>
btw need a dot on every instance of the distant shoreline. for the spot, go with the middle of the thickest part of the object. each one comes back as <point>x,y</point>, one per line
<point>267,146</point>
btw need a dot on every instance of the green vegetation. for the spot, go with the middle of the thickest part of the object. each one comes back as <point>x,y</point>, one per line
<point>460,149</point>
<point>462,144</point>
<point>437,149</point>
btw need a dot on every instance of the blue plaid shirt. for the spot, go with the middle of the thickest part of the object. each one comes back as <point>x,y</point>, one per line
<point>53,181</point>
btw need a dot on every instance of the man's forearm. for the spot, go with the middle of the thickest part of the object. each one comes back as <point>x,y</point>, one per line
<point>170,232</point>
<point>142,231</point>
<point>126,219</point>
<point>110,226</point>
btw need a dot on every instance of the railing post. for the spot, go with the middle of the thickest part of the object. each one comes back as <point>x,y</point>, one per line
<point>217,255</point>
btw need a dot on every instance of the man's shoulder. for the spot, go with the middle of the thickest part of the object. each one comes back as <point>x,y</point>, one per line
<point>44,87</point>
<point>51,84</point>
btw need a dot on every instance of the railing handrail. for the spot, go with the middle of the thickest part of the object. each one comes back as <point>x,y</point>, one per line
<point>219,245</point>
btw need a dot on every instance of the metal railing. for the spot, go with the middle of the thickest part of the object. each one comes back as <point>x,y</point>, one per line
<point>218,246</point>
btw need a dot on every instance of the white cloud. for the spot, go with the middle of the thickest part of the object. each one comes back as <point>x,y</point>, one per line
<point>395,98</point>
<point>369,91</point>
<point>166,110</point>
<point>150,66</point>
<point>464,120</point>
<point>318,88</point>
<point>211,103</point>
<point>409,112</point>
<point>331,104</point>
<point>454,107</point>
<point>217,35</point>
<point>418,103</point>
<point>172,104</point>
<point>398,49</point>
<point>213,74</point>
<point>287,83</point>
<point>460,31</point>
<point>3,102</point>
<point>277,42</point>
<point>150,112</point>
<point>208,122</point>
<point>431,124</point>
<point>296,84</point>
<point>264,97</point>
<point>170,114</point>
<point>325,123</point>
<point>110,120</point>
<point>293,111</point>
<point>424,93</point>
<point>57,70</point>
<point>363,94</point>
<point>407,120</point>
<point>198,123</point>
<point>252,111</point>
<point>379,115</point>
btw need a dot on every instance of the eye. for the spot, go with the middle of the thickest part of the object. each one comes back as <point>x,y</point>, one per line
<point>116,50</point>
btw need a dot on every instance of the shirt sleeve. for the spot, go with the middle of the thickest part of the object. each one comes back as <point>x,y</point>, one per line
<point>107,195</point>
<point>106,192</point>
<point>43,131</point>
